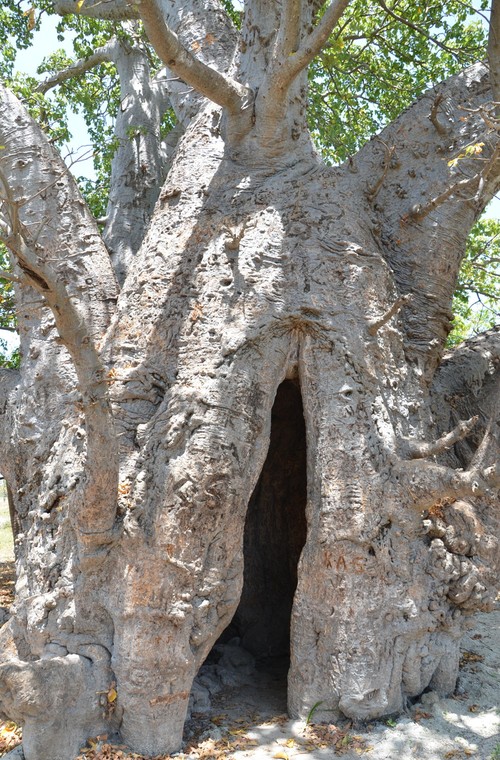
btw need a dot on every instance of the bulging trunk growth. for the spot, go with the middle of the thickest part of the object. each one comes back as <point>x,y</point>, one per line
<point>265,279</point>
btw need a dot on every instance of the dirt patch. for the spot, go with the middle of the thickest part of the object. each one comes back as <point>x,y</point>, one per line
<point>7,582</point>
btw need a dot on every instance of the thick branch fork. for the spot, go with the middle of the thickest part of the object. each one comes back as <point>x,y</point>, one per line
<point>289,59</point>
<point>283,73</point>
<point>214,85</point>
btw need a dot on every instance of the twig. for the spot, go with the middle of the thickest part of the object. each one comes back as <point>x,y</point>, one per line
<point>422,450</point>
<point>4,275</point>
<point>418,211</point>
<point>374,325</point>
<point>101,55</point>
<point>433,116</point>
<point>388,154</point>
<point>416,28</point>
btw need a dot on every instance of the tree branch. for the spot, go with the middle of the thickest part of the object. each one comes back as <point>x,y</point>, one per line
<point>58,247</point>
<point>4,275</point>
<point>101,55</point>
<point>416,190</point>
<point>112,10</point>
<point>214,85</point>
<point>468,383</point>
<point>418,211</point>
<point>288,37</point>
<point>433,116</point>
<point>285,71</point>
<point>374,325</point>
<point>272,99</point>
<point>137,170</point>
<point>9,379</point>
<point>428,483</point>
<point>494,49</point>
<point>422,450</point>
<point>415,27</point>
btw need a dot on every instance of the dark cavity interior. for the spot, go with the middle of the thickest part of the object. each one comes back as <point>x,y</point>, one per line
<point>275,533</point>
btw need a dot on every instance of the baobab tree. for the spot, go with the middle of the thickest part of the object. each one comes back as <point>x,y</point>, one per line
<point>239,291</point>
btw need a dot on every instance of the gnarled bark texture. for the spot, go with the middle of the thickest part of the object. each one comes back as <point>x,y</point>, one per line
<point>138,428</point>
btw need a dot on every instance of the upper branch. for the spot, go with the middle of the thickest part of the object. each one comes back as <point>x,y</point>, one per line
<point>494,49</point>
<point>101,55</point>
<point>284,70</point>
<point>443,168</point>
<point>288,38</point>
<point>214,85</point>
<point>291,55</point>
<point>60,253</point>
<point>113,10</point>
<point>49,223</point>
<point>9,378</point>
<point>137,169</point>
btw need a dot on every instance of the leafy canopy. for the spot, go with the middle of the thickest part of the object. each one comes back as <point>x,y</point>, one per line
<point>382,55</point>
<point>7,313</point>
<point>477,297</point>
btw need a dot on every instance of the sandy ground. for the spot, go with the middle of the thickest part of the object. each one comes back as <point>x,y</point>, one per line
<point>248,721</point>
<point>466,725</point>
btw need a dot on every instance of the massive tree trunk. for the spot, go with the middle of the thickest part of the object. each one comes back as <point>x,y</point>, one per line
<point>139,426</point>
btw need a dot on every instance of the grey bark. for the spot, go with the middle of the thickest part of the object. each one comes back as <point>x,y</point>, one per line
<point>150,414</point>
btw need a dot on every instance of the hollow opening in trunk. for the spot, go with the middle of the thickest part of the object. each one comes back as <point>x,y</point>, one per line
<point>255,647</point>
<point>275,533</point>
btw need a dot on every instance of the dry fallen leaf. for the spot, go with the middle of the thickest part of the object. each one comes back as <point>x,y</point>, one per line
<point>468,657</point>
<point>112,695</point>
<point>218,719</point>
<point>10,736</point>
<point>421,715</point>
